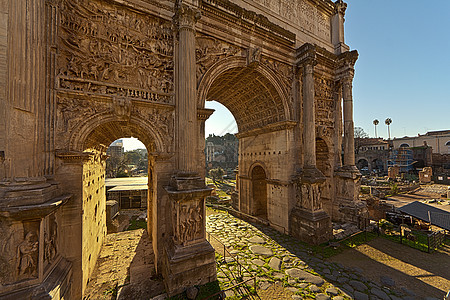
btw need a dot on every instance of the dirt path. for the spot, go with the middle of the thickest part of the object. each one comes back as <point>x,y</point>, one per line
<point>409,268</point>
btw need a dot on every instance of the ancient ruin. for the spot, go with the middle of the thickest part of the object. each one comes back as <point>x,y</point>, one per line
<point>77,75</point>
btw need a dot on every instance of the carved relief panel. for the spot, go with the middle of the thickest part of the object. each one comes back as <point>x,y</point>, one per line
<point>19,251</point>
<point>188,222</point>
<point>108,49</point>
<point>324,102</point>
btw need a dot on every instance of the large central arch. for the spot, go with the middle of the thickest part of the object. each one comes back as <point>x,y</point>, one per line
<point>261,106</point>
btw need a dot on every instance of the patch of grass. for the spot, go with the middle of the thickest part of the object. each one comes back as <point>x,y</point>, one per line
<point>111,293</point>
<point>327,251</point>
<point>137,224</point>
<point>208,289</point>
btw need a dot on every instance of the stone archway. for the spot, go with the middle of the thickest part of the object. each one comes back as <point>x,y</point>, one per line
<point>82,171</point>
<point>257,98</point>
<point>259,192</point>
<point>363,164</point>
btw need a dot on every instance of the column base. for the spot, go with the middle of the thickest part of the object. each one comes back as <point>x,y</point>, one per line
<point>310,227</point>
<point>185,266</point>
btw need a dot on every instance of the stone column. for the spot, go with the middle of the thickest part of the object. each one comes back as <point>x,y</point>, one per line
<point>309,115</point>
<point>347,207</point>
<point>349,138</point>
<point>308,221</point>
<point>186,104</point>
<point>189,258</point>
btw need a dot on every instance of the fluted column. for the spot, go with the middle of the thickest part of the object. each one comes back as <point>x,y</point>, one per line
<point>309,115</point>
<point>186,106</point>
<point>349,139</point>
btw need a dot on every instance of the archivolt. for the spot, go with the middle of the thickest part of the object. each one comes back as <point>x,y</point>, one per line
<point>253,94</point>
<point>102,129</point>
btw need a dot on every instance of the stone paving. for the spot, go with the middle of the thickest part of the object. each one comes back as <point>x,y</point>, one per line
<point>275,258</point>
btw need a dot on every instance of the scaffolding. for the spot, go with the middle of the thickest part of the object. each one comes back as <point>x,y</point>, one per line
<point>402,157</point>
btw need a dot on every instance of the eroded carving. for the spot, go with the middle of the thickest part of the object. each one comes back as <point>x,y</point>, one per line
<point>253,56</point>
<point>110,51</point>
<point>188,223</point>
<point>208,51</point>
<point>27,256</point>
<point>50,236</point>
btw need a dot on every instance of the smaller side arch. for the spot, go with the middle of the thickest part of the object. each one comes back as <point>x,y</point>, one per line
<point>134,127</point>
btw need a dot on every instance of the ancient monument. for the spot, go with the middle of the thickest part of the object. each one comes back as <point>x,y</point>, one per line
<point>76,75</point>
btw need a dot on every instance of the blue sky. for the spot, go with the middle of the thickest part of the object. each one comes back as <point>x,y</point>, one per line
<point>403,66</point>
<point>403,70</point>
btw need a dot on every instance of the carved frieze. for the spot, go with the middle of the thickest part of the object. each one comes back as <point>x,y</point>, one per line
<point>324,101</point>
<point>110,50</point>
<point>73,110</point>
<point>303,14</point>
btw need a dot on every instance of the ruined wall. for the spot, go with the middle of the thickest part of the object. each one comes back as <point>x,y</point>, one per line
<point>94,212</point>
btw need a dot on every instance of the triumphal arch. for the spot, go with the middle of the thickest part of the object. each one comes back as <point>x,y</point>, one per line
<point>77,74</point>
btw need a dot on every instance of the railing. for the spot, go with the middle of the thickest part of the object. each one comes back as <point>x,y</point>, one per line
<point>240,286</point>
<point>435,239</point>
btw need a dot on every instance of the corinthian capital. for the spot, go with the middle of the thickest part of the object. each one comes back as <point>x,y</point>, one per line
<point>185,16</point>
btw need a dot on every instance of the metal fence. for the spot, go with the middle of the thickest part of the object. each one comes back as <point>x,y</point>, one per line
<point>422,240</point>
<point>238,283</point>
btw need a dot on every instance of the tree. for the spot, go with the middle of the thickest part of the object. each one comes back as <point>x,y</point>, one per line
<point>216,174</point>
<point>376,122</point>
<point>359,135</point>
<point>388,122</point>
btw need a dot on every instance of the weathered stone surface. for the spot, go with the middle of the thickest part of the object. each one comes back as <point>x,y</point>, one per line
<point>191,292</point>
<point>358,285</point>
<point>322,297</point>
<point>303,275</point>
<point>380,294</point>
<point>332,291</point>
<point>96,71</point>
<point>256,240</point>
<point>258,262</point>
<point>360,296</point>
<point>275,263</point>
<point>387,281</point>
<point>261,250</point>
<point>313,288</point>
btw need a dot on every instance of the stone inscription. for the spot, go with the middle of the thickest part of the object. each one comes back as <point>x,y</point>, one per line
<point>303,14</point>
<point>110,50</point>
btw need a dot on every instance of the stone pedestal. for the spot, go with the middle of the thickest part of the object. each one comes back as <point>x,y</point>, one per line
<point>188,259</point>
<point>308,221</point>
<point>348,207</point>
<point>32,266</point>
<point>310,227</point>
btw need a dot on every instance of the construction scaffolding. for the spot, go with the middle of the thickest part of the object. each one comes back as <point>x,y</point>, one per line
<point>402,157</point>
